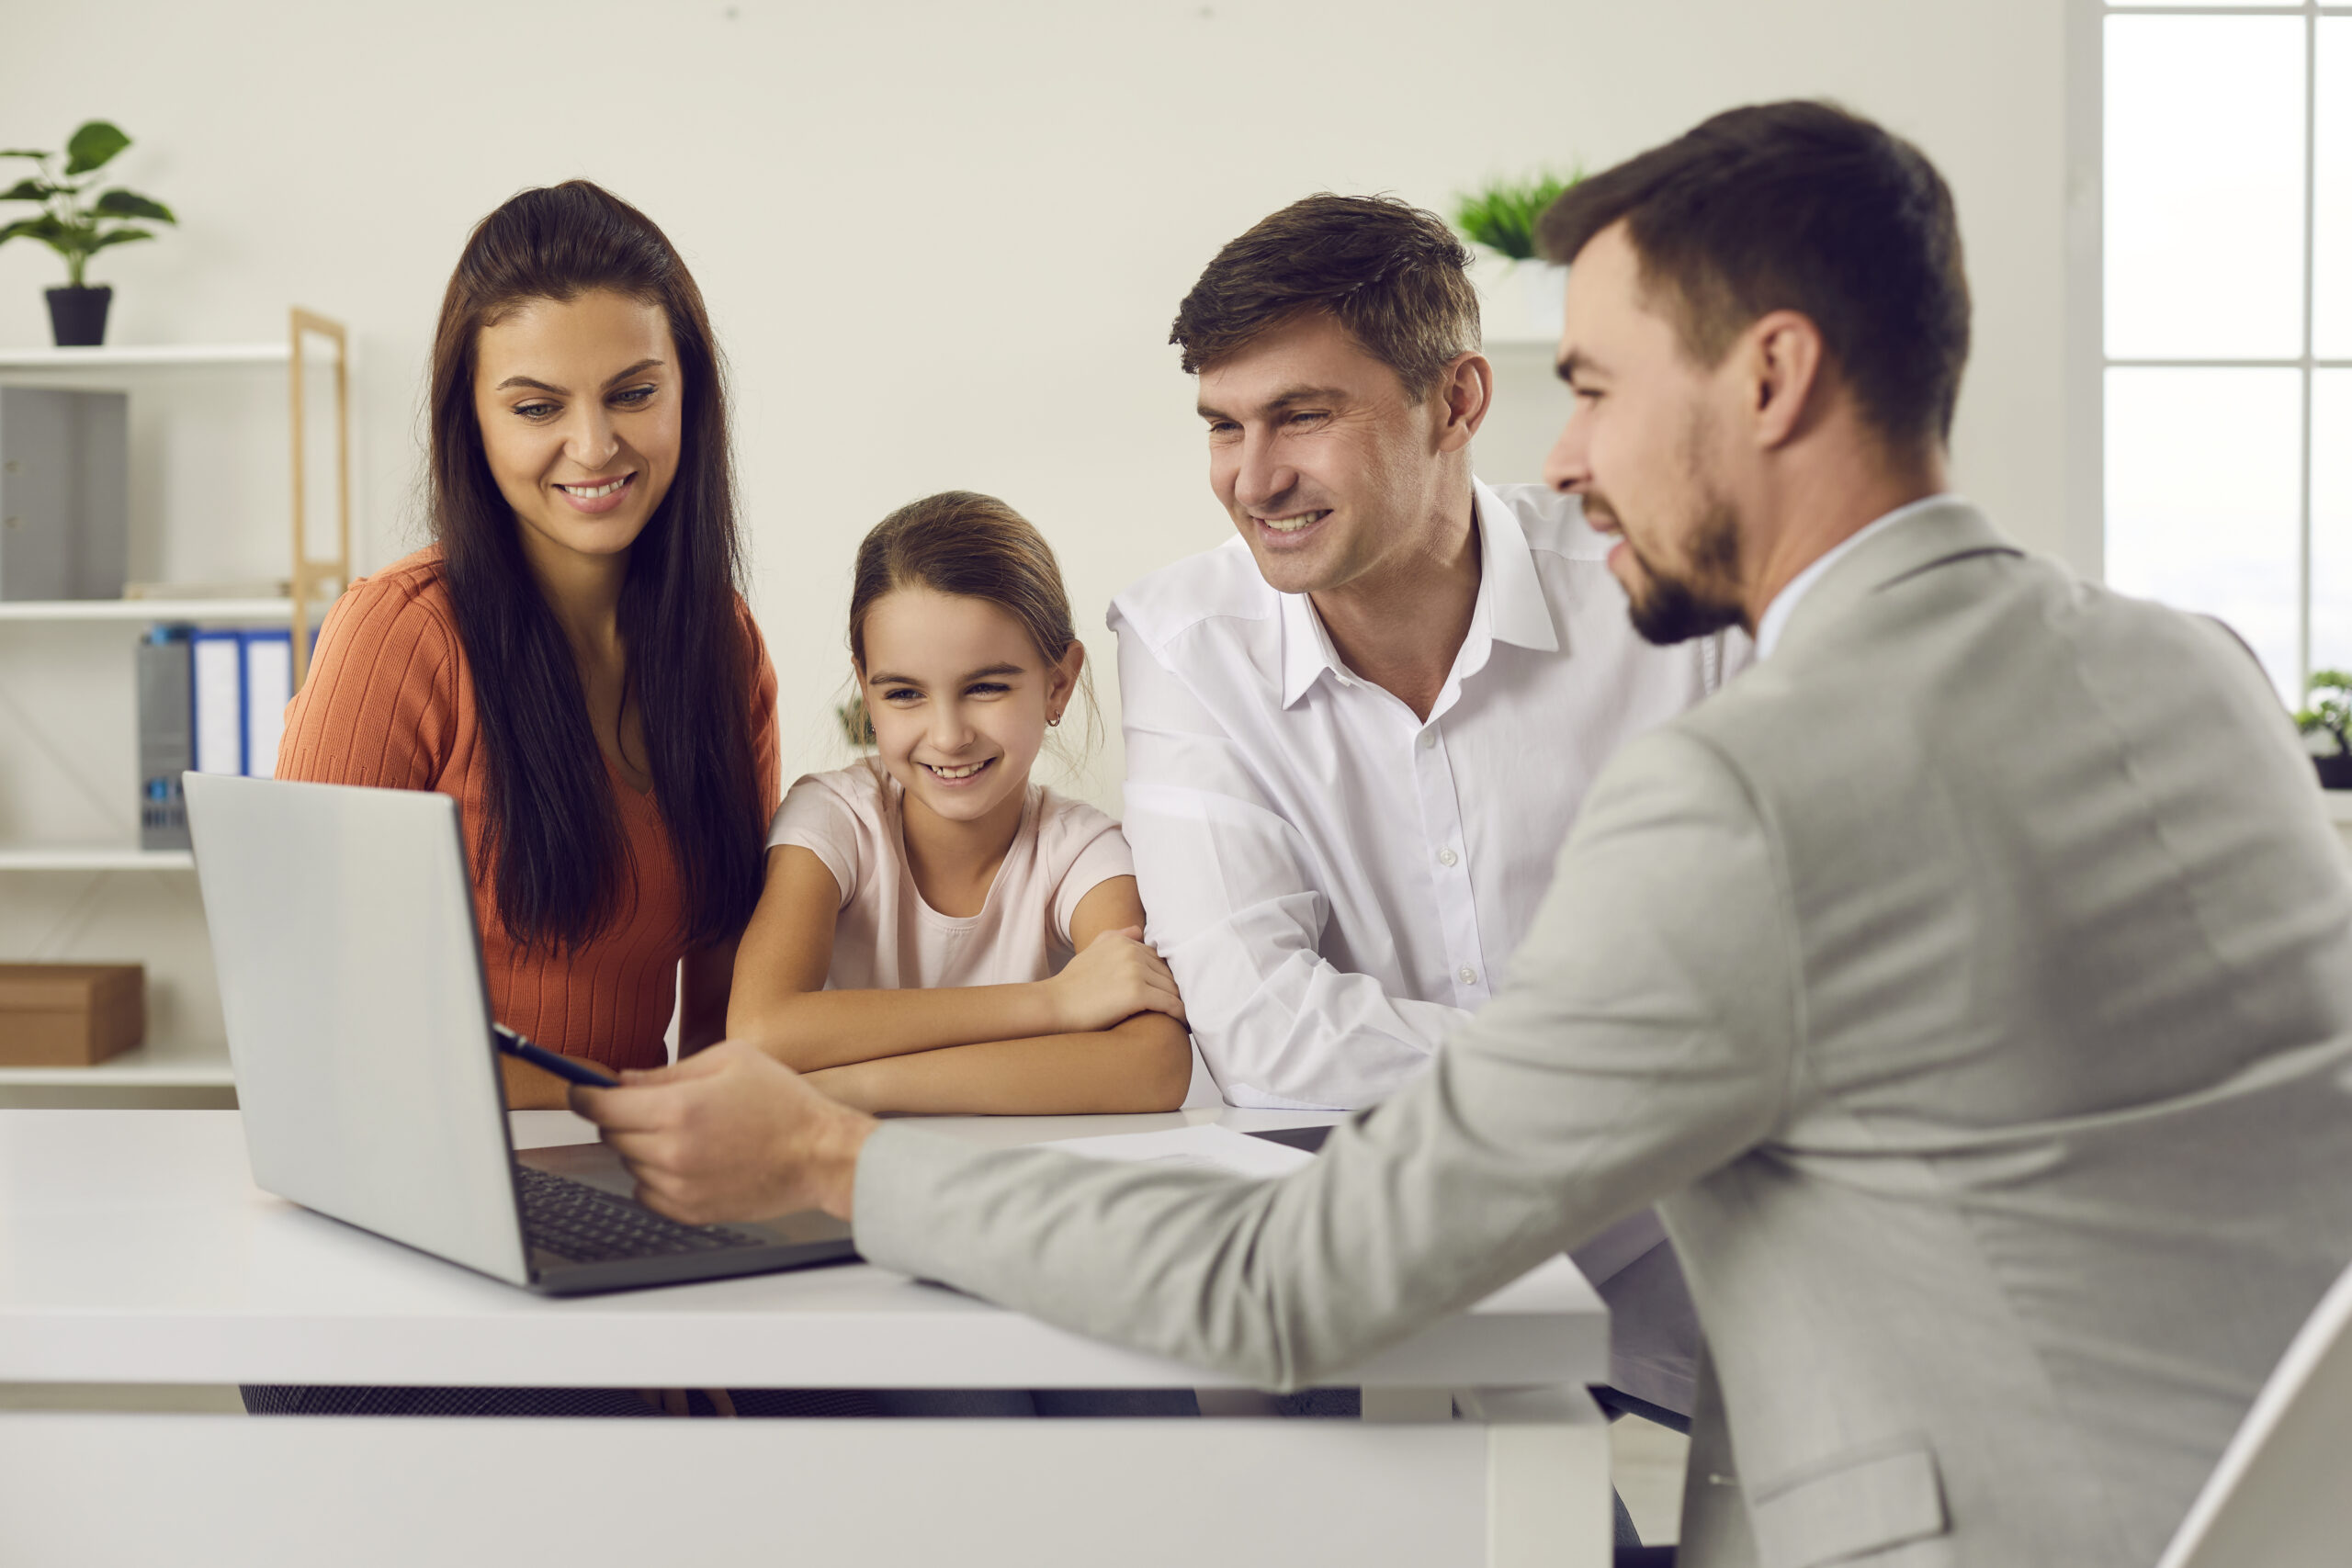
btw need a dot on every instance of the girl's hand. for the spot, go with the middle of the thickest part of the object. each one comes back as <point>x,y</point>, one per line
<point>1115,978</point>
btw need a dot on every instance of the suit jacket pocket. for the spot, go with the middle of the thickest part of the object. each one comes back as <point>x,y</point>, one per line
<point>1859,1502</point>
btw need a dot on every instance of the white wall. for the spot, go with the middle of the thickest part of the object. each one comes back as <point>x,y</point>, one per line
<point>942,242</point>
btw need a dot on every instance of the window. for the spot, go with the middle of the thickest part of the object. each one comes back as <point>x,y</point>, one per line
<point>2224,287</point>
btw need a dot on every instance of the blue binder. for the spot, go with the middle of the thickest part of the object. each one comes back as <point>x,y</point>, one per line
<point>269,671</point>
<point>216,658</point>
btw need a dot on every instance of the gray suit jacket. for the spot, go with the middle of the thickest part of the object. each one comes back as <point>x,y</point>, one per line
<point>1971,987</point>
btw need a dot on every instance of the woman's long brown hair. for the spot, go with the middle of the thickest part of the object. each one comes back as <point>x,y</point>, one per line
<point>553,830</point>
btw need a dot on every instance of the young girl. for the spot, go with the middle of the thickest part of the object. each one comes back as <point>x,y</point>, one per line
<point>571,658</point>
<point>937,934</point>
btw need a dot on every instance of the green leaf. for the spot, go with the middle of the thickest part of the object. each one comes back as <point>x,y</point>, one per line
<point>93,145</point>
<point>116,237</point>
<point>130,204</point>
<point>21,152</point>
<point>27,190</point>
<point>1501,215</point>
<point>43,227</point>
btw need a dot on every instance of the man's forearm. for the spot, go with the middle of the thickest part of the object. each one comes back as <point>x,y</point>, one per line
<point>832,1167</point>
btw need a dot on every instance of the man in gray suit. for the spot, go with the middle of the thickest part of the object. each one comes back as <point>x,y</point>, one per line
<point>1970,983</point>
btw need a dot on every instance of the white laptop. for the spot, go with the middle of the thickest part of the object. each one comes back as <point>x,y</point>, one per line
<point>343,931</point>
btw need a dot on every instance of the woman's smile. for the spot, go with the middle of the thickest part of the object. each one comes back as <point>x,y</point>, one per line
<point>597,497</point>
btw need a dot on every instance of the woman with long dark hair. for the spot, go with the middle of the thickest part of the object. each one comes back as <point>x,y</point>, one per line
<point>571,658</point>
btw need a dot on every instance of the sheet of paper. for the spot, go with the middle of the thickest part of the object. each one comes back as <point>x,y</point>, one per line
<point>1218,1149</point>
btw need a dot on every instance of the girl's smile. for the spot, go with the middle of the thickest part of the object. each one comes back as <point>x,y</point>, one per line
<point>955,776</point>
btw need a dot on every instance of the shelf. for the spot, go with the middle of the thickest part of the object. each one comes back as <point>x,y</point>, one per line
<point>146,609</point>
<point>156,1065</point>
<point>93,857</point>
<point>111,356</point>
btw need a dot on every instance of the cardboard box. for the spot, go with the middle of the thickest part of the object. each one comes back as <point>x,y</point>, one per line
<point>70,1015</point>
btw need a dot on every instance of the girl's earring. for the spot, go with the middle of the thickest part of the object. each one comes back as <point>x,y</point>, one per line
<point>1053,721</point>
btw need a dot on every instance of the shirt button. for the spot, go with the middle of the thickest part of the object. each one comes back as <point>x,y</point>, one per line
<point>1467,974</point>
<point>1428,740</point>
<point>1447,857</point>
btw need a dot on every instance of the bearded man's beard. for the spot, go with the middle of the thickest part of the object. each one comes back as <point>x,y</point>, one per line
<point>1671,608</point>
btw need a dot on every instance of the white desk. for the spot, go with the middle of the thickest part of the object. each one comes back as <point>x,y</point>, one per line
<point>134,1248</point>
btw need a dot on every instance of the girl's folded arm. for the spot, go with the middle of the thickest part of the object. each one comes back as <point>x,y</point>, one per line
<point>779,1000</point>
<point>1143,1061</point>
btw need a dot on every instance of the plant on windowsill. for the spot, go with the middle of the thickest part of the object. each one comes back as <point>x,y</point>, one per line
<point>1501,215</point>
<point>77,225</point>
<point>2328,721</point>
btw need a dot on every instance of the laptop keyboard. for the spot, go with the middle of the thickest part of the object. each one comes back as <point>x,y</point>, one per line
<point>587,1224</point>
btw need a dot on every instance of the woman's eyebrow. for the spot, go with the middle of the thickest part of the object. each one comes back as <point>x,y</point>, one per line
<point>639,368</point>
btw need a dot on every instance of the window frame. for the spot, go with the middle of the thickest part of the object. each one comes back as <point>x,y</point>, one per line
<point>2087,361</point>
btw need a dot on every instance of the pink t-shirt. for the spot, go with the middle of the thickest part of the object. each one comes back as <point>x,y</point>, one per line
<point>886,938</point>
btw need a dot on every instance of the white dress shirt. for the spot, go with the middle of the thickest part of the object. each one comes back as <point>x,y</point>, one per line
<point>1335,883</point>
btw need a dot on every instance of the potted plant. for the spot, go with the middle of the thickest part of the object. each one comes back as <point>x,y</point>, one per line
<point>77,225</point>
<point>1501,216</point>
<point>2328,722</point>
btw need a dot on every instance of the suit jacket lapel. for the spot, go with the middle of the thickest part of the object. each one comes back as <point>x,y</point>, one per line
<point>1952,531</point>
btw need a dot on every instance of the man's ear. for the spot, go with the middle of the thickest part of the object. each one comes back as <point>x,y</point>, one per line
<point>1464,392</point>
<point>1783,363</point>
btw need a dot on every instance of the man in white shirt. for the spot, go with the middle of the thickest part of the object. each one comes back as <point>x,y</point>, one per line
<point>1357,734</point>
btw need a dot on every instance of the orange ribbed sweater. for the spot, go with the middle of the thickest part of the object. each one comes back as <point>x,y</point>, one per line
<point>390,702</point>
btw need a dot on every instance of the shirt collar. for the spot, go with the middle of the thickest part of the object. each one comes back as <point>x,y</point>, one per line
<point>1775,619</point>
<point>1507,581</point>
<point>1511,606</point>
<point>1306,647</point>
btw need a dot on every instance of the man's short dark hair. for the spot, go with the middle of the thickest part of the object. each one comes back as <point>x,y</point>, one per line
<point>1798,207</point>
<point>1394,275</point>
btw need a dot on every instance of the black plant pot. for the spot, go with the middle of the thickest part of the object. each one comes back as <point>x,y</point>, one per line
<point>2335,773</point>
<point>77,317</point>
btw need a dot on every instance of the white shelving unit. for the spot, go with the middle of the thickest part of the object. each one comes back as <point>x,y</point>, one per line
<point>146,610</point>
<point>92,857</point>
<point>149,895</point>
<point>158,1064</point>
<point>141,355</point>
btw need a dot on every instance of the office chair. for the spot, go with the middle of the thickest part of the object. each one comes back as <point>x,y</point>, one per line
<point>2279,1496</point>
